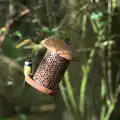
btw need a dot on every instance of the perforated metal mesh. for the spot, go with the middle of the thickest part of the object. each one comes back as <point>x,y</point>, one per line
<point>51,70</point>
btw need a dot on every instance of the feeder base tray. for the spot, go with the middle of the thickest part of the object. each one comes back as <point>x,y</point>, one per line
<point>40,88</point>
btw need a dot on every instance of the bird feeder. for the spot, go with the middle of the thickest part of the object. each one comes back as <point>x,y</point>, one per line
<point>52,67</point>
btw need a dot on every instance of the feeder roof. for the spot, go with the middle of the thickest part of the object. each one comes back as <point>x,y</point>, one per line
<point>58,46</point>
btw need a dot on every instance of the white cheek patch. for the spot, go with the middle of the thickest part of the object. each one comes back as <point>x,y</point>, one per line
<point>27,63</point>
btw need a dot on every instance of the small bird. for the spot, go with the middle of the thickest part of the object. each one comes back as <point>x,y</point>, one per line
<point>27,70</point>
<point>27,67</point>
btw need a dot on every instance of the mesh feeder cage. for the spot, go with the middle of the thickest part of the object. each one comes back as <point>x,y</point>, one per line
<point>52,67</point>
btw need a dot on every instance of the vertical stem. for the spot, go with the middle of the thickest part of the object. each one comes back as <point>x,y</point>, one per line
<point>70,91</point>
<point>109,64</point>
<point>84,22</point>
<point>48,12</point>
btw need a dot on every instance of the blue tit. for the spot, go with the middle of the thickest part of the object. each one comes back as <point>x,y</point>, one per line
<point>27,67</point>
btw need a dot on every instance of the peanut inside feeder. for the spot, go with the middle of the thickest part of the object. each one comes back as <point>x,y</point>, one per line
<point>53,65</point>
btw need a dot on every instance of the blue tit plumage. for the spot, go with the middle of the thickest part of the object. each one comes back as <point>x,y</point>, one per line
<point>27,67</point>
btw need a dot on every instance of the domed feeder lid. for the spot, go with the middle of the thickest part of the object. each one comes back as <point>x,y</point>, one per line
<point>58,46</point>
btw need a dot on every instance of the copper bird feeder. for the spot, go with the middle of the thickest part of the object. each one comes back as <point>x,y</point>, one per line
<point>52,67</point>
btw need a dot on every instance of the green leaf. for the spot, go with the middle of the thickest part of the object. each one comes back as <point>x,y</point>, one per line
<point>2,30</point>
<point>55,29</point>
<point>17,33</point>
<point>45,29</point>
<point>95,16</point>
